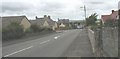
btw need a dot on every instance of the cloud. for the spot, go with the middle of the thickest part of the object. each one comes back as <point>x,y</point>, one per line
<point>96,3</point>
<point>14,6</point>
<point>51,7</point>
<point>57,8</point>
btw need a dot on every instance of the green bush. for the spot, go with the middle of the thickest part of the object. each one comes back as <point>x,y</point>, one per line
<point>94,27</point>
<point>46,29</point>
<point>36,28</point>
<point>12,31</point>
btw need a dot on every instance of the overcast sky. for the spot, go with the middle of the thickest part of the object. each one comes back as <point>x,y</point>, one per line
<point>57,8</point>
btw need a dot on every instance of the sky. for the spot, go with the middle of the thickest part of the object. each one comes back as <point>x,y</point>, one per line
<point>68,9</point>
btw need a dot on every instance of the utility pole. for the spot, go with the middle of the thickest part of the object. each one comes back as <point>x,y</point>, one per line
<point>85,15</point>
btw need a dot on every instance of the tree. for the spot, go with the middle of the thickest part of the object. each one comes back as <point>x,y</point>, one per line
<point>91,20</point>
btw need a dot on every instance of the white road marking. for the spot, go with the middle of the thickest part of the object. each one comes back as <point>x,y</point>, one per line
<point>18,51</point>
<point>56,37</point>
<point>45,41</point>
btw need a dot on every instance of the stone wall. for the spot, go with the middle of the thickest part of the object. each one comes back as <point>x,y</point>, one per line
<point>110,41</point>
<point>105,42</point>
<point>96,43</point>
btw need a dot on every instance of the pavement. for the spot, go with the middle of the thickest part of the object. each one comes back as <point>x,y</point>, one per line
<point>66,43</point>
<point>81,47</point>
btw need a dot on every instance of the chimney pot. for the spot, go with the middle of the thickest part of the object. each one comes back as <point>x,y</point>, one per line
<point>112,11</point>
<point>45,15</point>
<point>36,17</point>
<point>49,17</point>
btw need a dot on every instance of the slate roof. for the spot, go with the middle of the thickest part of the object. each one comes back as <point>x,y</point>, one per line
<point>64,21</point>
<point>114,15</point>
<point>105,17</point>
<point>8,19</point>
<point>40,21</point>
<point>37,21</point>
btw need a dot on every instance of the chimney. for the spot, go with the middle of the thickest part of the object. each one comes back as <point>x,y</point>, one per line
<point>49,17</point>
<point>45,16</point>
<point>36,17</point>
<point>112,11</point>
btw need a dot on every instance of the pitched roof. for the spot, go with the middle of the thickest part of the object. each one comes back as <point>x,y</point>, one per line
<point>40,21</point>
<point>8,19</point>
<point>37,21</point>
<point>114,15</point>
<point>50,22</point>
<point>105,17</point>
<point>65,21</point>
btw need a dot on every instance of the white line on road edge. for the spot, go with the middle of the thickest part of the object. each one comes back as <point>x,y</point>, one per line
<point>18,51</point>
<point>45,41</point>
<point>56,37</point>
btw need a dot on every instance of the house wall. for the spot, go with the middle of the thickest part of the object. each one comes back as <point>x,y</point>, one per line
<point>114,15</point>
<point>53,28</point>
<point>46,24</point>
<point>62,25</point>
<point>56,26</point>
<point>25,23</point>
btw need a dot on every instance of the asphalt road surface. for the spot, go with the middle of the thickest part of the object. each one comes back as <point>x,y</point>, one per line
<point>66,43</point>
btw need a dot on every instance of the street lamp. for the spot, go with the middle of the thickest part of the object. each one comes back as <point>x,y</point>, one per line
<point>85,14</point>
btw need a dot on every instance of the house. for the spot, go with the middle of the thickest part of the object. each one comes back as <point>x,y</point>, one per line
<point>105,18</point>
<point>113,16</point>
<point>22,20</point>
<point>63,23</point>
<point>46,21</point>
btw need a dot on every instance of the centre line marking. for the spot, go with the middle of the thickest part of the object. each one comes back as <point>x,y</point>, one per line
<point>18,51</point>
<point>45,41</point>
<point>56,37</point>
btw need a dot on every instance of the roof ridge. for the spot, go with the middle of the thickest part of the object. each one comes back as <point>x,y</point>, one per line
<point>15,16</point>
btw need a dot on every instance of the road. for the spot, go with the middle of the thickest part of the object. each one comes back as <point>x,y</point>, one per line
<point>55,45</point>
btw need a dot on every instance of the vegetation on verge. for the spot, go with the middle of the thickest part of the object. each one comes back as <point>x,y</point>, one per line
<point>91,22</point>
<point>15,31</point>
<point>12,31</point>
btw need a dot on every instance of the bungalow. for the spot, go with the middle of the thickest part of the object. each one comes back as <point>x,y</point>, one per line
<point>22,20</point>
<point>45,22</point>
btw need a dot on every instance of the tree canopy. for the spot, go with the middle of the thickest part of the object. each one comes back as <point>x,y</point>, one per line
<point>91,20</point>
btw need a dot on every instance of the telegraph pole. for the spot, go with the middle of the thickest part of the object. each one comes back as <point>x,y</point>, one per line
<point>85,15</point>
